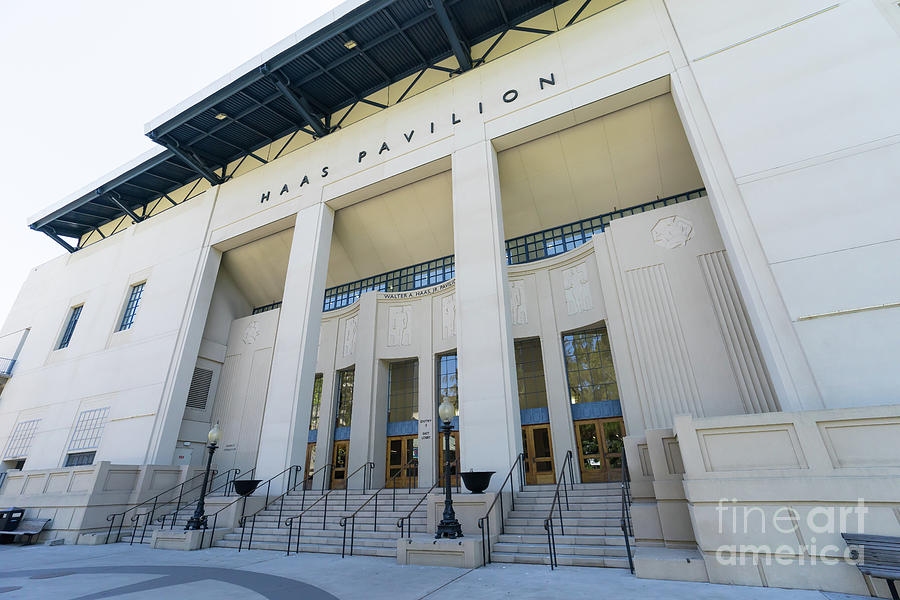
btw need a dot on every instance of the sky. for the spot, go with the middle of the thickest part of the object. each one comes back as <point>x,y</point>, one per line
<point>80,78</point>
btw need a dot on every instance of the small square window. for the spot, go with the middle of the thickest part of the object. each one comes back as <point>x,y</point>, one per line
<point>131,307</point>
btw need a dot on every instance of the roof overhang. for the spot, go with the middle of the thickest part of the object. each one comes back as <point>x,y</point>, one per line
<point>335,62</point>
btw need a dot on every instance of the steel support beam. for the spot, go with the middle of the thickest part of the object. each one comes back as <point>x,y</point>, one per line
<point>117,200</point>
<point>457,44</point>
<point>48,231</point>
<point>194,163</point>
<point>298,103</point>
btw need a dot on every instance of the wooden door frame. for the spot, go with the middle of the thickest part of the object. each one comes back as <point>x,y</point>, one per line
<point>401,481</point>
<point>334,460</point>
<point>531,472</point>
<point>607,473</point>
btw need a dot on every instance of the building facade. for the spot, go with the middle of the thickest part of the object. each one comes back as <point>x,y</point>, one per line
<point>650,227</point>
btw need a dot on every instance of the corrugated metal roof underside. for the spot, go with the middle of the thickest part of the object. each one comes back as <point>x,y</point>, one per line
<point>300,89</point>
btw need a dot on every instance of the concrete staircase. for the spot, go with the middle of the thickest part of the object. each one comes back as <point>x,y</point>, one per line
<point>181,519</point>
<point>593,537</point>
<point>323,533</point>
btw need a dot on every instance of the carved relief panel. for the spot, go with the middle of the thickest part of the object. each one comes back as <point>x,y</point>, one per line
<point>577,290</point>
<point>448,316</point>
<point>399,325</point>
<point>518,312</point>
<point>350,335</point>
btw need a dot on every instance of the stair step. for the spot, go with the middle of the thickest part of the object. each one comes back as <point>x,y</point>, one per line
<point>562,559</point>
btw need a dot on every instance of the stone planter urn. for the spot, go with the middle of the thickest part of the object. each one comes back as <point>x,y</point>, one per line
<point>245,487</point>
<point>477,481</point>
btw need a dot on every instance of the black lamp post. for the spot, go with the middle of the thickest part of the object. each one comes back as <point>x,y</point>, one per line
<point>198,521</point>
<point>449,527</point>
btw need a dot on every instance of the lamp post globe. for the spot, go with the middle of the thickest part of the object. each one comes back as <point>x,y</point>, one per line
<point>449,527</point>
<point>198,520</point>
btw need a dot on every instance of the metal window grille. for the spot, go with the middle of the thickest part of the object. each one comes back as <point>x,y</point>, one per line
<point>74,313</point>
<point>131,307</point>
<point>556,240</point>
<point>589,366</point>
<point>447,381</point>
<point>345,399</point>
<point>530,373</point>
<point>88,429</point>
<point>316,403</point>
<point>266,307</point>
<point>403,391</point>
<point>80,459</point>
<point>523,249</point>
<point>20,440</point>
<point>198,394</point>
<point>6,366</point>
<point>422,275</point>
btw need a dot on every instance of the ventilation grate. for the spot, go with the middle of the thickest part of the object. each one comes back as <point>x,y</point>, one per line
<point>199,392</point>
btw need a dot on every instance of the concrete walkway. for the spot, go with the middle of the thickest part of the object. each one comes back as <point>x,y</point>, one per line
<point>137,572</point>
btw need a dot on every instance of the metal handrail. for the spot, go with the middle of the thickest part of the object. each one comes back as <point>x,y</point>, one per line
<point>174,514</point>
<point>111,518</point>
<point>215,515</point>
<point>343,521</point>
<point>151,515</point>
<point>289,488</point>
<point>548,522</point>
<point>409,515</point>
<point>289,522</point>
<point>625,521</point>
<point>367,468</point>
<point>486,519</point>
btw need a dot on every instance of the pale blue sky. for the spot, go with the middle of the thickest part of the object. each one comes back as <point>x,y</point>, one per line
<point>81,77</point>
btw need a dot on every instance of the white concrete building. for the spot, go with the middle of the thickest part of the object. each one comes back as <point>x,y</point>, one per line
<point>654,226</point>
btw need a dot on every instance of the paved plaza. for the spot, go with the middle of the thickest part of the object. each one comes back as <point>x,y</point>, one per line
<point>138,572</point>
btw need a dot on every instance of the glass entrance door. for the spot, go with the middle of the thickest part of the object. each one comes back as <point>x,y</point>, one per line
<point>538,454</point>
<point>400,451</point>
<point>339,471</point>
<point>600,449</point>
<point>310,464</point>
<point>454,457</point>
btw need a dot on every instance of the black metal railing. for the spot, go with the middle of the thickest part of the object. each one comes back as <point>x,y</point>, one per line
<point>413,277</point>
<point>352,517</point>
<point>6,366</point>
<point>556,240</point>
<point>625,520</point>
<point>564,473</point>
<point>290,481</point>
<point>227,486</point>
<point>522,249</point>
<point>150,502</point>
<point>484,523</point>
<point>407,518</point>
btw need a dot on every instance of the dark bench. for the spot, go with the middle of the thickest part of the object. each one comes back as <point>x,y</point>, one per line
<point>880,557</point>
<point>30,527</point>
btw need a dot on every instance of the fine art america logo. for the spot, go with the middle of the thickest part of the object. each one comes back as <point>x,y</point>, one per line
<point>509,96</point>
<point>796,533</point>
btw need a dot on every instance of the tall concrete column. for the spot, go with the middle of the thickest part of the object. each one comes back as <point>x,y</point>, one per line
<point>285,424</point>
<point>363,417</point>
<point>161,450</point>
<point>489,423</point>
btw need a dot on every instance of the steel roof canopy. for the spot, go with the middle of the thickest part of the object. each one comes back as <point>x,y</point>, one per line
<point>295,89</point>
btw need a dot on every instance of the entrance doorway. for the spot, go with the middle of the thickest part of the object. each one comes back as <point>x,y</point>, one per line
<point>454,458</point>
<point>600,449</point>
<point>538,454</point>
<point>339,471</point>
<point>400,451</point>
<point>310,464</point>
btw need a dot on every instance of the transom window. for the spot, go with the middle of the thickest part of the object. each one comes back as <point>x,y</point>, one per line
<point>131,307</point>
<point>88,429</point>
<point>589,366</point>
<point>20,440</point>
<point>447,380</point>
<point>530,374</point>
<point>74,313</point>
<point>403,394</point>
<point>345,399</point>
<point>79,459</point>
<point>316,403</point>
